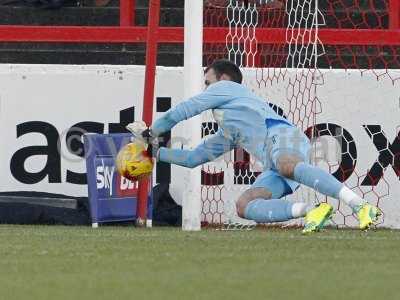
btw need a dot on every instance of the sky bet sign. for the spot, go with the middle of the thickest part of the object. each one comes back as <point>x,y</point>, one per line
<point>109,183</point>
<point>112,197</point>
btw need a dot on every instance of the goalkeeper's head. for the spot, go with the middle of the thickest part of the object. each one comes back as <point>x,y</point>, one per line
<point>222,69</point>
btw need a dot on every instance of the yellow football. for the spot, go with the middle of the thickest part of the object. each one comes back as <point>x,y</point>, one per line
<point>133,161</point>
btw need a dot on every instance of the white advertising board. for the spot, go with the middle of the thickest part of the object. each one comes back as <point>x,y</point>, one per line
<point>44,109</point>
<point>39,104</point>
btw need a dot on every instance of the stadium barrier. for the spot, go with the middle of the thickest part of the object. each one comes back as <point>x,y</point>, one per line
<point>45,152</point>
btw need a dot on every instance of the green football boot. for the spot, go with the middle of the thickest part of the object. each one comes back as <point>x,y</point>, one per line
<point>317,218</point>
<point>367,215</point>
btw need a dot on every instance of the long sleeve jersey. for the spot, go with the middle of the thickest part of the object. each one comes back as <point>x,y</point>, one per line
<point>242,117</point>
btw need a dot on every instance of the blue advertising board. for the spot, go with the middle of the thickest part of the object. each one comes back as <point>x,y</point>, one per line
<point>112,197</point>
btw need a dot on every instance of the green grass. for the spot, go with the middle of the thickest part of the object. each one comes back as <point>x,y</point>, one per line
<point>52,262</point>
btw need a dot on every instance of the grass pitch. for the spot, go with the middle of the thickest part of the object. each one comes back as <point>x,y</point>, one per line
<point>52,262</point>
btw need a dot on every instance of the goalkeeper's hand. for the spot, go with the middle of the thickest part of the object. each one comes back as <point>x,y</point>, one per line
<point>141,132</point>
<point>137,128</point>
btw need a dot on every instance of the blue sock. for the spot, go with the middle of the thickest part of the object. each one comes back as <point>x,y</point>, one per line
<point>268,211</point>
<point>317,179</point>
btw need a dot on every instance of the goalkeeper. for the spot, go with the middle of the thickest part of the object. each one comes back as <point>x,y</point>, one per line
<point>246,121</point>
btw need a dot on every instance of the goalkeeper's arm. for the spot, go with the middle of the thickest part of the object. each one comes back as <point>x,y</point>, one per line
<point>216,95</point>
<point>208,150</point>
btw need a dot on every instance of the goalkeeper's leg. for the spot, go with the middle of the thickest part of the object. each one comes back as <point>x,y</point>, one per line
<point>262,202</point>
<point>293,167</point>
<point>289,155</point>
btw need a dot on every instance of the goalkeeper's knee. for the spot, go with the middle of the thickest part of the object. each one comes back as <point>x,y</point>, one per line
<point>249,195</point>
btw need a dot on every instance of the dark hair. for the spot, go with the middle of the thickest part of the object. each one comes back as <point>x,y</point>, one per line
<point>224,66</point>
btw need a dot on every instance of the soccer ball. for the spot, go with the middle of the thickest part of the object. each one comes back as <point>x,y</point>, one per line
<point>133,162</point>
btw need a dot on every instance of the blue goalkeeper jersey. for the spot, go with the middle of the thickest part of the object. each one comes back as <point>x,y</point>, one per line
<point>242,117</point>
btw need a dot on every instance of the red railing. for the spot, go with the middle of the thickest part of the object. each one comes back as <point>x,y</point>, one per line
<point>126,13</point>
<point>138,34</point>
<point>127,32</point>
<point>394,14</point>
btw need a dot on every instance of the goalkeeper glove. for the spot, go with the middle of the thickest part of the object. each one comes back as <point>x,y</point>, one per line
<point>141,132</point>
<point>137,128</point>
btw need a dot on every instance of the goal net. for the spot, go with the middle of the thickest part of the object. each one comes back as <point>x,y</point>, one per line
<point>325,66</point>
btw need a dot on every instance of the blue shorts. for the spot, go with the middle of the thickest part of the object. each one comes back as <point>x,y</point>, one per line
<point>282,139</point>
<point>278,185</point>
